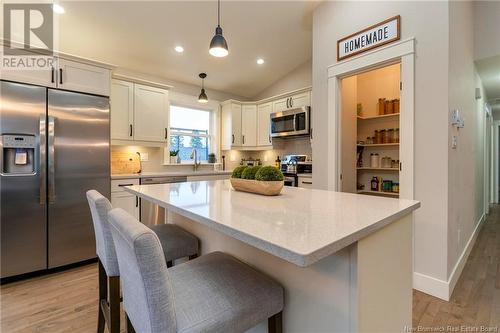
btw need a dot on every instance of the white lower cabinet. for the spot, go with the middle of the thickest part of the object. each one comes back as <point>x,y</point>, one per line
<point>124,200</point>
<point>305,182</point>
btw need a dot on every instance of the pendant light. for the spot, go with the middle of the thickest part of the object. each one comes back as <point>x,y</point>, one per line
<point>203,96</point>
<point>218,45</point>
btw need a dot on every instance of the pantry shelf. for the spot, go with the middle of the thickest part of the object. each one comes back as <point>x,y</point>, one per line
<point>379,169</point>
<point>388,194</point>
<point>379,116</point>
<point>379,145</point>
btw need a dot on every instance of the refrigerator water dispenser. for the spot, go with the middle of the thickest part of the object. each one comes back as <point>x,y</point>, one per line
<point>18,154</point>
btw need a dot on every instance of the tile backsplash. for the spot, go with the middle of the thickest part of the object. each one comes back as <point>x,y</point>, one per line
<point>281,147</point>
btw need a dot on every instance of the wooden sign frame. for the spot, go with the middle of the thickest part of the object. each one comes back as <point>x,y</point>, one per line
<point>397,37</point>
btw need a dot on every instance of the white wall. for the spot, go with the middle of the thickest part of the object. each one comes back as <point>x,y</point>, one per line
<point>298,78</point>
<point>486,28</point>
<point>427,22</point>
<point>466,162</point>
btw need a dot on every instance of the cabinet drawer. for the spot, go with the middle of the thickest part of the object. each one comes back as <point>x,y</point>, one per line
<point>305,182</point>
<point>117,184</point>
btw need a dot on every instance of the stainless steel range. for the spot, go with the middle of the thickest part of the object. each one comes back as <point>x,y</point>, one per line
<point>54,146</point>
<point>292,165</point>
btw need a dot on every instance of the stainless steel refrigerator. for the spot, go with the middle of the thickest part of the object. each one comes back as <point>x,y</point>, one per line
<point>54,147</point>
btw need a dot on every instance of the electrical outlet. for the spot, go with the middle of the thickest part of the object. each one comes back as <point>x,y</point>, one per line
<point>144,157</point>
<point>454,142</point>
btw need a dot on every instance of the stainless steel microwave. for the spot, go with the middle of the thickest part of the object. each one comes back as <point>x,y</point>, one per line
<point>290,122</point>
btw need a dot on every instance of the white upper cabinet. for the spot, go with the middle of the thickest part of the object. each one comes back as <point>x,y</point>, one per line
<point>65,74</point>
<point>122,110</point>
<point>249,125</point>
<point>151,109</point>
<point>292,102</point>
<point>231,126</point>
<point>263,124</point>
<point>81,77</point>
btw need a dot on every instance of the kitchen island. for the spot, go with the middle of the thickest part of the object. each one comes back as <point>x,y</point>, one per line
<point>344,260</point>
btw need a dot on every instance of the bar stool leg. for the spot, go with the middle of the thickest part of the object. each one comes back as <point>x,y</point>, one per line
<point>114,304</point>
<point>130,328</point>
<point>103,294</point>
<point>275,323</point>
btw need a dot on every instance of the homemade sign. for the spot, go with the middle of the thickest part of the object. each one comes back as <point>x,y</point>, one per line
<point>369,38</point>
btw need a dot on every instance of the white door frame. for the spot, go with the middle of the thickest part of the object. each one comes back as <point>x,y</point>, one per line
<point>403,52</point>
<point>495,161</point>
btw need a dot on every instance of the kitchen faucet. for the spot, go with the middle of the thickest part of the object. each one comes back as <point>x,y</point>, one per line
<point>194,155</point>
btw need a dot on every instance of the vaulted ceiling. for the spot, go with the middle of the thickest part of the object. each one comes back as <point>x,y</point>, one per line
<point>141,36</point>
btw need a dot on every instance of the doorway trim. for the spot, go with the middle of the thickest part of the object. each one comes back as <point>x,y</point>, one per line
<point>495,161</point>
<point>403,52</point>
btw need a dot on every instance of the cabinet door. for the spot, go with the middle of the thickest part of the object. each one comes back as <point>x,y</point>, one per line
<point>122,110</point>
<point>249,125</point>
<point>75,76</point>
<point>305,182</point>
<point>150,113</point>
<point>281,104</point>
<point>236,126</point>
<point>263,124</point>
<point>300,100</point>
<point>42,77</point>
<point>127,202</point>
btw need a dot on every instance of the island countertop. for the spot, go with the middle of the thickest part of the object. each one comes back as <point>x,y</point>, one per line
<point>301,226</point>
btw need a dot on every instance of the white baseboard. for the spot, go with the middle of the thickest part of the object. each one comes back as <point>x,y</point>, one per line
<point>441,288</point>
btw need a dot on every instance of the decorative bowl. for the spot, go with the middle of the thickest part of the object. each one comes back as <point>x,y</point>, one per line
<point>257,187</point>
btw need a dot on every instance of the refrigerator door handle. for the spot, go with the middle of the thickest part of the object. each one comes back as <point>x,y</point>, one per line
<point>43,159</point>
<point>51,160</point>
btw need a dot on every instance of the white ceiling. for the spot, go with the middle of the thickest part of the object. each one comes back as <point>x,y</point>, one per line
<point>489,71</point>
<point>141,36</point>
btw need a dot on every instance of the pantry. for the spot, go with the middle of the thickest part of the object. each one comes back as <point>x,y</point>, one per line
<point>370,132</point>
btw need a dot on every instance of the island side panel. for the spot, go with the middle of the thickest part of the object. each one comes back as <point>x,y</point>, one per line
<point>384,278</point>
<point>316,297</point>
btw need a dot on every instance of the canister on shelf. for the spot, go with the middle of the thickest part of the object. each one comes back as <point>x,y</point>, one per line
<point>389,107</point>
<point>396,135</point>
<point>395,187</point>
<point>387,186</point>
<point>396,105</point>
<point>383,136</point>
<point>381,106</point>
<point>376,138</point>
<point>390,135</point>
<point>374,160</point>
<point>386,162</point>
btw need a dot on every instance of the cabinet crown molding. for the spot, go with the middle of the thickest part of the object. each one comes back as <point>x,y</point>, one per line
<point>138,80</point>
<point>269,99</point>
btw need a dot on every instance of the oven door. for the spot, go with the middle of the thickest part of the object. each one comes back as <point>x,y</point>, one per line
<point>290,181</point>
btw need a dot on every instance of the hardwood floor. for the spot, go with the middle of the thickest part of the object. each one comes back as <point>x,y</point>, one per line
<point>476,299</point>
<point>67,301</point>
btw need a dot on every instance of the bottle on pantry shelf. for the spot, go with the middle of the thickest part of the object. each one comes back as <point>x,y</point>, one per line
<point>374,160</point>
<point>383,136</point>
<point>387,186</point>
<point>390,135</point>
<point>396,105</point>
<point>277,162</point>
<point>396,135</point>
<point>376,138</point>
<point>369,140</point>
<point>374,183</point>
<point>386,162</point>
<point>395,187</point>
<point>389,107</point>
<point>394,165</point>
<point>381,106</point>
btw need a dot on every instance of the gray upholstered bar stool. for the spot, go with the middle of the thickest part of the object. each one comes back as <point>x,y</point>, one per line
<point>213,293</point>
<point>177,243</point>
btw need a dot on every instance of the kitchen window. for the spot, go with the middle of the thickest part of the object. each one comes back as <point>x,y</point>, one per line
<point>190,129</point>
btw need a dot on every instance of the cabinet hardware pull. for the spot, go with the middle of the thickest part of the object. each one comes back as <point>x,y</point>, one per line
<point>166,133</point>
<point>270,139</point>
<point>232,138</point>
<point>308,183</point>
<point>243,139</point>
<point>60,76</point>
<point>125,185</point>
<point>131,131</point>
<point>291,102</point>
<point>137,201</point>
<point>52,74</point>
<point>287,102</point>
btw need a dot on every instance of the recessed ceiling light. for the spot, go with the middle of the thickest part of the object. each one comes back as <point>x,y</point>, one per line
<point>260,61</point>
<point>57,8</point>
<point>179,49</point>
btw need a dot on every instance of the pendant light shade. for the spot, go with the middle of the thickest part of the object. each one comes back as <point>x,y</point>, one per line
<point>218,44</point>
<point>203,96</point>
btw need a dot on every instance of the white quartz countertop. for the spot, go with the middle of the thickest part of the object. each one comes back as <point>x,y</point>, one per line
<point>170,173</point>
<point>301,226</point>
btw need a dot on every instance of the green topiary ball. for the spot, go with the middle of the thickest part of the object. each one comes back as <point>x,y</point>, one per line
<point>249,173</point>
<point>238,171</point>
<point>269,173</point>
